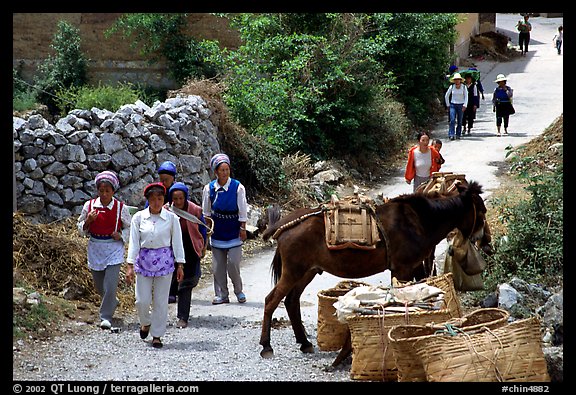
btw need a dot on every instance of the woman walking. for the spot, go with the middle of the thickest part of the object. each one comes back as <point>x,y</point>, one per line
<point>423,160</point>
<point>107,222</point>
<point>155,245</point>
<point>502,103</point>
<point>472,104</point>
<point>456,98</point>
<point>193,239</point>
<point>224,201</point>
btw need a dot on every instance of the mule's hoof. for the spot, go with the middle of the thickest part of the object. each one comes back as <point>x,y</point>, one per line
<point>267,353</point>
<point>307,349</point>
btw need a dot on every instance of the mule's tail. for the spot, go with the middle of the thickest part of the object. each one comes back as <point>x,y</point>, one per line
<point>276,267</point>
<point>272,221</point>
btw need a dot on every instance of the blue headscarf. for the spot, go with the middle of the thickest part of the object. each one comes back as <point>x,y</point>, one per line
<point>180,186</point>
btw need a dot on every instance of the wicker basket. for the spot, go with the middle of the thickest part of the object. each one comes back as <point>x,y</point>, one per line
<point>510,353</point>
<point>332,333</point>
<point>401,339</point>
<point>372,359</point>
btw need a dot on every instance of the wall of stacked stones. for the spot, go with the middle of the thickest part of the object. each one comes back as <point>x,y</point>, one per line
<point>55,165</point>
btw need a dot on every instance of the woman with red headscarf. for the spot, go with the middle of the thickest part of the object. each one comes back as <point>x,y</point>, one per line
<point>154,248</point>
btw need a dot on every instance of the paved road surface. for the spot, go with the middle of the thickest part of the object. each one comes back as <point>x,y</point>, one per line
<point>537,80</point>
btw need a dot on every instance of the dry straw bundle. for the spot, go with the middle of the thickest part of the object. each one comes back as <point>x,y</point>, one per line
<point>52,258</point>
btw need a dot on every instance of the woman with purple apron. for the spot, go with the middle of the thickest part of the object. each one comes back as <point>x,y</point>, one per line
<point>155,245</point>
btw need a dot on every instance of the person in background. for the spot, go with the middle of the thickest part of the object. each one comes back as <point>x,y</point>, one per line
<point>524,27</point>
<point>437,144</point>
<point>224,202</point>
<point>456,98</point>
<point>478,83</point>
<point>154,248</point>
<point>502,103</point>
<point>167,176</point>
<point>106,221</point>
<point>447,82</point>
<point>194,241</point>
<point>557,40</point>
<point>472,104</point>
<point>423,160</point>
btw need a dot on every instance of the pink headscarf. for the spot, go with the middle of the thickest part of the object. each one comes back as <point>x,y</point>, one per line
<point>109,177</point>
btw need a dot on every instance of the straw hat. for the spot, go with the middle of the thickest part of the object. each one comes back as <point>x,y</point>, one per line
<point>500,77</point>
<point>456,76</point>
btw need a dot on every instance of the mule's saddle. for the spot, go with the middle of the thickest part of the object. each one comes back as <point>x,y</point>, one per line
<point>350,223</point>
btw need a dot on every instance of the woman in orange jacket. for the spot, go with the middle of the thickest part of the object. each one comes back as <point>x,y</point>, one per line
<point>423,160</point>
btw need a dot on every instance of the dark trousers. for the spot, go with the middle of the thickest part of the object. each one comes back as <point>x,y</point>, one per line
<point>192,275</point>
<point>523,41</point>
<point>468,119</point>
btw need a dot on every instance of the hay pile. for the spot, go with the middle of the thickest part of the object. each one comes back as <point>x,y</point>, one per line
<point>492,45</point>
<point>51,259</point>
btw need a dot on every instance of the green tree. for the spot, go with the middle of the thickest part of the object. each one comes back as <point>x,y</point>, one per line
<point>319,83</point>
<point>162,36</point>
<point>66,68</point>
<point>418,57</point>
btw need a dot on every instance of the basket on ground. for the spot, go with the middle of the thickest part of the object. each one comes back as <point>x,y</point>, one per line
<point>372,358</point>
<point>512,352</point>
<point>332,333</point>
<point>401,338</point>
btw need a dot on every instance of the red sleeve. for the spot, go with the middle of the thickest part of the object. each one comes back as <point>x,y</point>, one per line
<point>410,172</point>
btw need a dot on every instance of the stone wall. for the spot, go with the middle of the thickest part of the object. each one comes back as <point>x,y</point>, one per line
<point>55,165</point>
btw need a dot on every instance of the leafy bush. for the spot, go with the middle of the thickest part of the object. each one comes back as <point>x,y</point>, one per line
<point>67,68</point>
<point>162,35</point>
<point>103,97</point>
<point>314,82</point>
<point>23,96</point>
<point>532,247</point>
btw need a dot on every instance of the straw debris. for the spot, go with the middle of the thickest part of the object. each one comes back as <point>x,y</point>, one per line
<point>52,259</point>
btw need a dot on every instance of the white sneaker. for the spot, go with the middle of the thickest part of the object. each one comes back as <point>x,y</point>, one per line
<point>105,324</point>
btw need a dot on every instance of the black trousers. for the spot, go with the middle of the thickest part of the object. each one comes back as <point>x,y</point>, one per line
<point>523,41</point>
<point>192,275</point>
<point>468,118</point>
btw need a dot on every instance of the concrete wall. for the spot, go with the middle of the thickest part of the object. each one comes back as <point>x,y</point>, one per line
<point>469,26</point>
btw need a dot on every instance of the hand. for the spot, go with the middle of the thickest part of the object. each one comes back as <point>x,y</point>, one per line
<point>116,236</point>
<point>243,235</point>
<point>129,274</point>
<point>91,217</point>
<point>407,181</point>
<point>180,273</point>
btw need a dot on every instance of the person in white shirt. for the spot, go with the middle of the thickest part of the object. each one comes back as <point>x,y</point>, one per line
<point>557,40</point>
<point>456,98</point>
<point>155,244</point>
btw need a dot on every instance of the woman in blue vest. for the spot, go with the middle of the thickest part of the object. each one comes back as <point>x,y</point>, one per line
<point>224,201</point>
<point>502,102</point>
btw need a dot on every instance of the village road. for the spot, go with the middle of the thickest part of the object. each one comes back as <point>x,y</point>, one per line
<point>537,80</point>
